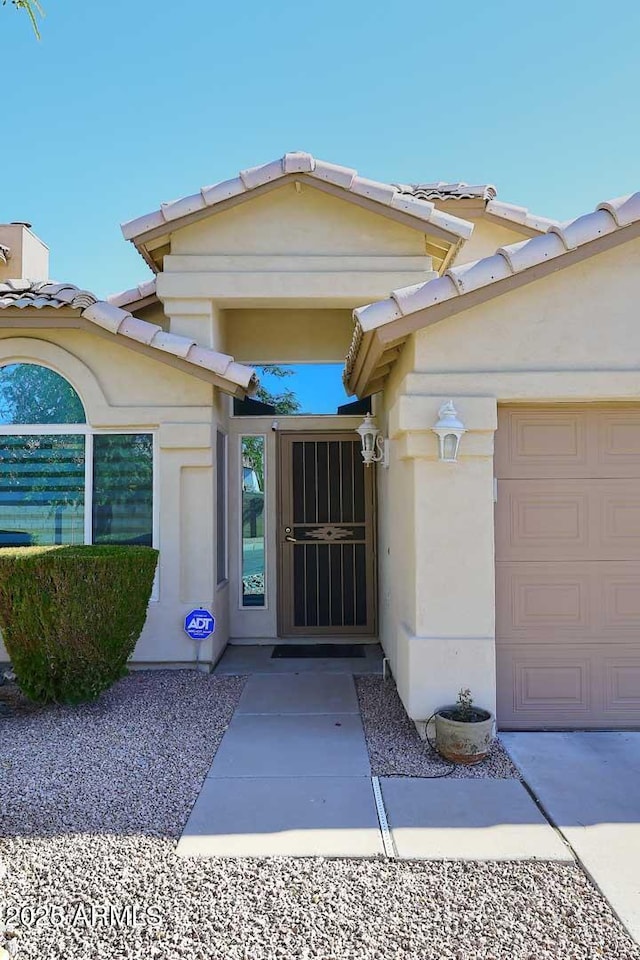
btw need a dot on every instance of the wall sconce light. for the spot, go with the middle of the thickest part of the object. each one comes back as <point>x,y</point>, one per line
<point>375,449</point>
<point>448,429</point>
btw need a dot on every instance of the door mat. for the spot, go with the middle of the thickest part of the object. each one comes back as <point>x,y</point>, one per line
<point>302,651</point>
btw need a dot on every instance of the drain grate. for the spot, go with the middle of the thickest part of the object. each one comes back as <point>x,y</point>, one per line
<point>329,651</point>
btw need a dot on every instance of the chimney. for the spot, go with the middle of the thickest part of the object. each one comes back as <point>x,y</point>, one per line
<point>23,256</point>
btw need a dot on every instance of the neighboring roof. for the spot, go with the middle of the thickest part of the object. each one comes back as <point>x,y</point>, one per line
<point>441,190</point>
<point>495,210</point>
<point>299,165</point>
<point>233,377</point>
<point>142,292</point>
<point>381,328</point>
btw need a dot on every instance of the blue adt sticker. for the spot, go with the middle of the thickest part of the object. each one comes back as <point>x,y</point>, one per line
<point>199,624</point>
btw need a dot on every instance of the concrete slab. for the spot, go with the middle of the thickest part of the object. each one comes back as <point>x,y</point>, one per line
<point>467,820</point>
<point>589,785</point>
<point>249,659</point>
<point>331,745</point>
<point>299,693</point>
<point>319,816</point>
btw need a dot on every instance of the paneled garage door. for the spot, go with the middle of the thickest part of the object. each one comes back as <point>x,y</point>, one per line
<point>568,566</point>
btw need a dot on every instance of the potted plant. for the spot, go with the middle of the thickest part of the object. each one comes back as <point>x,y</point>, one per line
<point>464,733</point>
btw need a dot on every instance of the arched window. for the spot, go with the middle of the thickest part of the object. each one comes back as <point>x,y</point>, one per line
<point>30,393</point>
<point>60,480</point>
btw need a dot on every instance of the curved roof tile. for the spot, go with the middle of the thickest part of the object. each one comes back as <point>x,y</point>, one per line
<point>125,297</point>
<point>507,261</point>
<point>291,164</point>
<point>111,317</point>
<point>515,214</point>
<point>441,190</point>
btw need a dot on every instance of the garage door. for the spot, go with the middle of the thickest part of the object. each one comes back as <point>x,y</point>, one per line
<point>568,566</point>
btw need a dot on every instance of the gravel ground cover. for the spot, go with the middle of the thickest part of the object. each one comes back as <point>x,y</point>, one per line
<point>302,909</point>
<point>92,799</point>
<point>131,762</point>
<point>395,749</point>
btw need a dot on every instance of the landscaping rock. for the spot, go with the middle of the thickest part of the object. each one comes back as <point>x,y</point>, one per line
<point>395,749</point>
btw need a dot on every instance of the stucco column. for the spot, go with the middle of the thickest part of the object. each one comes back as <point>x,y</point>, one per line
<point>200,319</point>
<point>185,488</point>
<point>446,631</point>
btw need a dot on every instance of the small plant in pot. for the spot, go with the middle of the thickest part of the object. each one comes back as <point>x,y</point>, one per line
<point>464,733</point>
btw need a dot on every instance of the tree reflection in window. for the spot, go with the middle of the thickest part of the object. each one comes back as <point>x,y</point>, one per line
<point>30,393</point>
<point>253,530</point>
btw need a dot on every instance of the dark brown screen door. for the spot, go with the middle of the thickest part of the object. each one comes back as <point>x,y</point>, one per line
<point>326,536</point>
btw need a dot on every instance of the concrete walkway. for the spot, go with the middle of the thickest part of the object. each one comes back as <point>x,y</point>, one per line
<point>292,778</point>
<point>253,658</point>
<point>589,785</point>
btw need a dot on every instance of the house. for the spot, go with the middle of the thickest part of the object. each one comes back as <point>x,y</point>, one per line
<point>510,565</point>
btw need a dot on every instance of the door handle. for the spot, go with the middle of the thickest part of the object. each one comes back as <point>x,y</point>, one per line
<point>290,539</point>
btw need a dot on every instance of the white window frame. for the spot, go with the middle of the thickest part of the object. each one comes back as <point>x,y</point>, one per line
<point>265,605</point>
<point>89,432</point>
<point>221,433</point>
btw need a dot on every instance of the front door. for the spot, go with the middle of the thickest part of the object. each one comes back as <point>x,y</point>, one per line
<point>326,536</point>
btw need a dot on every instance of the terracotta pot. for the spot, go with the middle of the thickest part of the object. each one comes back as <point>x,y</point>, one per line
<point>464,741</point>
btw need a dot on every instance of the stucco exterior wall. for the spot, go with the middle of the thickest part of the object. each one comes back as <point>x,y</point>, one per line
<point>578,319</point>
<point>289,248</point>
<point>288,336</point>
<point>570,336</point>
<point>124,390</point>
<point>486,238</point>
<point>297,223</point>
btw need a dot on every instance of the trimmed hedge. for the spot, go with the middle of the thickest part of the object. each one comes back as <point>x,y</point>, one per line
<point>71,616</point>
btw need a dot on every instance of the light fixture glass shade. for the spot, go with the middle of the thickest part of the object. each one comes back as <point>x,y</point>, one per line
<point>371,440</point>
<point>449,430</point>
<point>450,444</point>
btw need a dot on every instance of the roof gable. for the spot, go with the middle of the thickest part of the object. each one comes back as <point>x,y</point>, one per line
<point>381,328</point>
<point>332,178</point>
<point>294,220</point>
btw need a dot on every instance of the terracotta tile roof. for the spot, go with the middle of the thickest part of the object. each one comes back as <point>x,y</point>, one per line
<point>36,293</point>
<point>109,316</point>
<point>508,261</point>
<point>441,190</point>
<point>514,214</point>
<point>497,209</point>
<point>141,292</point>
<point>302,164</point>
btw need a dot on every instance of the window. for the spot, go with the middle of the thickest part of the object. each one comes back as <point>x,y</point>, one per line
<point>42,486</point>
<point>253,557</point>
<point>122,488</point>
<point>60,481</point>
<point>221,505</point>
<point>33,394</point>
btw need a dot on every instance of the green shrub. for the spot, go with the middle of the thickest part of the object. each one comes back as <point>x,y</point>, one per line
<point>71,616</point>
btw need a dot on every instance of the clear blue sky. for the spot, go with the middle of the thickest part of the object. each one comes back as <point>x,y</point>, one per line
<point>127,103</point>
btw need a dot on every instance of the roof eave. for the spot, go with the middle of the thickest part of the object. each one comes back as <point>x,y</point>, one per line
<point>458,230</point>
<point>387,335</point>
<point>43,318</point>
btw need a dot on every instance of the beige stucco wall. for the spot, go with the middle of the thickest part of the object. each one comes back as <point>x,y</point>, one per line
<point>28,255</point>
<point>486,238</point>
<point>580,318</point>
<point>288,336</point>
<point>290,248</point>
<point>297,223</point>
<point>570,336</point>
<point>124,390</point>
